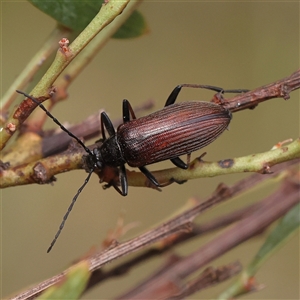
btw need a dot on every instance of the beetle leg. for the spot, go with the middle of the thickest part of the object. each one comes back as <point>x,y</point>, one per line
<point>238,91</point>
<point>116,188</point>
<point>173,96</point>
<point>127,111</point>
<point>112,184</point>
<point>102,128</point>
<point>106,122</point>
<point>149,175</point>
<point>179,163</point>
<point>123,181</point>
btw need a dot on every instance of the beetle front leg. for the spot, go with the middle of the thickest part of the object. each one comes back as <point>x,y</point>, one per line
<point>127,111</point>
<point>106,122</point>
<point>123,181</point>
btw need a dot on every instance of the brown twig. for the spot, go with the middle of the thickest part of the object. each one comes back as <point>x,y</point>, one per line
<point>179,290</point>
<point>271,209</point>
<point>278,89</point>
<point>53,143</point>
<point>208,278</point>
<point>30,146</point>
<point>72,159</point>
<point>169,243</point>
<point>88,129</point>
<point>245,229</point>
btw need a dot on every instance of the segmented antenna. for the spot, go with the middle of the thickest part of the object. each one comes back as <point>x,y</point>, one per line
<point>61,226</point>
<point>62,127</point>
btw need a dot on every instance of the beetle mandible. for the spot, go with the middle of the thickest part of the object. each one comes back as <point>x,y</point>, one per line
<point>175,130</point>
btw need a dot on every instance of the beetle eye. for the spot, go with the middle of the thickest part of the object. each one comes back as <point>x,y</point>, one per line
<point>99,164</point>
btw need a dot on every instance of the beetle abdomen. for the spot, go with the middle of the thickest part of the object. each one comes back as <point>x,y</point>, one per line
<point>173,131</point>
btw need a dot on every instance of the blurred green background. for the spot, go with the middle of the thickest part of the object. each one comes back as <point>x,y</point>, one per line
<point>231,45</point>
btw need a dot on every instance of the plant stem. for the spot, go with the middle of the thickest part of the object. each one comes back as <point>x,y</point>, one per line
<point>32,67</point>
<point>106,15</point>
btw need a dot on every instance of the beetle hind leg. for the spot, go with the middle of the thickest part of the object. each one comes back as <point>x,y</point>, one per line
<point>174,94</point>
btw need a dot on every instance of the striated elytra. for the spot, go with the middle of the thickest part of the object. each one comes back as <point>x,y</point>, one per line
<point>175,130</point>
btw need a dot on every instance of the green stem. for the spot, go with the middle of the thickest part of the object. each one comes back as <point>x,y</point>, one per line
<point>70,161</point>
<point>92,49</point>
<point>260,162</point>
<point>32,67</point>
<point>105,16</point>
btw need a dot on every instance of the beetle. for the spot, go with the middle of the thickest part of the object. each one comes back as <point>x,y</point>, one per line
<point>175,130</point>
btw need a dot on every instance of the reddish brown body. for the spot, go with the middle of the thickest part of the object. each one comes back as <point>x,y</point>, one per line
<point>175,130</point>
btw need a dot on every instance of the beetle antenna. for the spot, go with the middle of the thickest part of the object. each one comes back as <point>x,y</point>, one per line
<point>61,226</point>
<point>62,127</point>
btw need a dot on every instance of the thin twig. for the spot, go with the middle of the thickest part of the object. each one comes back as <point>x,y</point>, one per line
<point>258,163</point>
<point>72,159</point>
<point>278,89</point>
<point>208,278</point>
<point>244,230</point>
<point>63,58</point>
<point>273,207</point>
<point>30,146</point>
<point>23,79</point>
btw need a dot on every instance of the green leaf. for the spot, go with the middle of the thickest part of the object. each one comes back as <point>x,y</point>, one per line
<point>71,286</point>
<point>77,15</point>
<point>278,237</point>
<point>134,26</point>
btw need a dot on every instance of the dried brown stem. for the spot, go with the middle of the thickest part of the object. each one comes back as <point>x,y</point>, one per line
<point>90,127</point>
<point>168,243</point>
<point>165,245</point>
<point>278,89</point>
<point>86,130</point>
<point>30,147</point>
<point>271,209</point>
<point>208,278</point>
<point>244,229</point>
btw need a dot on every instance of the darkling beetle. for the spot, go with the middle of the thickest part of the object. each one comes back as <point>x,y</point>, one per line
<point>175,130</point>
